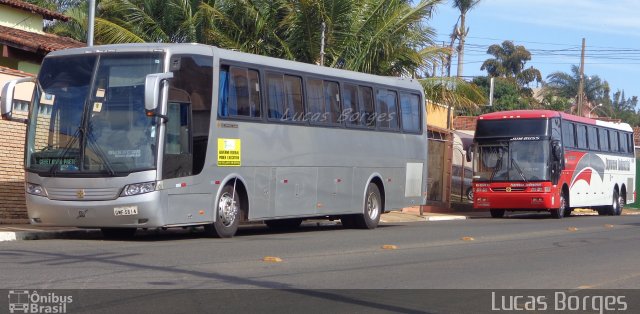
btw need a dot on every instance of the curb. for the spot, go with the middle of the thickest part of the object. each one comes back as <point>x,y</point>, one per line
<point>446,217</point>
<point>46,235</point>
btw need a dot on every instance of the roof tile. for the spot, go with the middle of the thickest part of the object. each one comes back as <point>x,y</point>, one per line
<point>38,43</point>
<point>46,13</point>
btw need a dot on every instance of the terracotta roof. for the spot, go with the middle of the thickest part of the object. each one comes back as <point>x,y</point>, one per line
<point>46,13</point>
<point>14,72</point>
<point>34,42</point>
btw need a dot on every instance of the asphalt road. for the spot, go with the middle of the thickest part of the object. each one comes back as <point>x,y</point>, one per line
<point>530,252</point>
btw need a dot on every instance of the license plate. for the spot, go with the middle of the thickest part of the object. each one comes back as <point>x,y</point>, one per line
<point>125,211</point>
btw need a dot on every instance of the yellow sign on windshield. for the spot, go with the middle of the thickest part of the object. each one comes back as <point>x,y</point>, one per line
<point>229,152</point>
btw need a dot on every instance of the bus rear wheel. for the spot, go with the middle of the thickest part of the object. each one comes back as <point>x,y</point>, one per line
<point>227,214</point>
<point>118,233</point>
<point>497,213</point>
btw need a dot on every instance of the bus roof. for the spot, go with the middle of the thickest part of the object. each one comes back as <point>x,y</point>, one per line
<point>247,58</point>
<point>533,114</point>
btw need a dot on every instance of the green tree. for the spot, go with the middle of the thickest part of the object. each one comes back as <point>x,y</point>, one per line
<point>566,85</point>
<point>461,32</point>
<point>509,62</point>
<point>506,94</point>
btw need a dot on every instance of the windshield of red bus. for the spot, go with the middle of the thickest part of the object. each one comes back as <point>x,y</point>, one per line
<point>513,160</point>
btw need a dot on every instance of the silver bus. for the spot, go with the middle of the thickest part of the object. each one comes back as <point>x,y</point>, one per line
<point>122,137</point>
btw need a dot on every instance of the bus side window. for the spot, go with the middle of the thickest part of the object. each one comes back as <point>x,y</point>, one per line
<point>387,109</point>
<point>582,136</point>
<point>350,115</point>
<point>613,141</point>
<point>367,110</point>
<point>332,101</point>
<point>410,109</point>
<point>275,95</point>
<point>293,97</point>
<point>622,139</point>
<point>593,138</point>
<point>568,134</point>
<point>604,139</point>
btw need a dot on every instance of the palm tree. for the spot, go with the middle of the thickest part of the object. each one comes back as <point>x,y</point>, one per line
<point>509,62</point>
<point>566,85</point>
<point>461,32</point>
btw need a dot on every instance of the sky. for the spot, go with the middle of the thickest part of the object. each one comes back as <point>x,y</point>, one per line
<point>552,30</point>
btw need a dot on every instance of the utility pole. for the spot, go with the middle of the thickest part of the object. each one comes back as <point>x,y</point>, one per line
<point>324,26</point>
<point>581,86</point>
<point>91,22</point>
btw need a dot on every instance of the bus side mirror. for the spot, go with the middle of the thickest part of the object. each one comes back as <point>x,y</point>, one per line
<point>468,152</point>
<point>152,90</point>
<point>556,150</point>
<point>8,92</point>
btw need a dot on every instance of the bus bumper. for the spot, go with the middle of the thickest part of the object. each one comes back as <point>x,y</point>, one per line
<point>139,211</point>
<point>516,201</point>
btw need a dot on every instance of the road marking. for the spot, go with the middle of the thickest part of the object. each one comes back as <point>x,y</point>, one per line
<point>389,247</point>
<point>608,226</point>
<point>468,239</point>
<point>271,259</point>
<point>572,229</point>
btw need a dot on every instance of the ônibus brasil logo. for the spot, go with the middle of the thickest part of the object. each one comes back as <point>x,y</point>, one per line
<point>25,301</point>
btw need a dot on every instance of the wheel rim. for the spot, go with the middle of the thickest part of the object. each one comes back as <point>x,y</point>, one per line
<point>616,203</point>
<point>621,202</point>
<point>563,204</point>
<point>373,205</point>
<point>227,209</point>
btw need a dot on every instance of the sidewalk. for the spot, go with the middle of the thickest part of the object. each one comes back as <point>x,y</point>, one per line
<point>13,232</point>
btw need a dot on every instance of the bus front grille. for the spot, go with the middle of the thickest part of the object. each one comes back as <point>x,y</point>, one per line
<point>82,194</point>
<point>505,189</point>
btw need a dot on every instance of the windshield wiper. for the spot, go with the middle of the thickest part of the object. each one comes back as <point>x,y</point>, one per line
<point>498,162</point>
<point>519,170</point>
<point>100,153</point>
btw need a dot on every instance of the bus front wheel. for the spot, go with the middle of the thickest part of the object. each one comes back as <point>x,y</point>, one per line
<point>562,209</point>
<point>373,207</point>
<point>227,214</point>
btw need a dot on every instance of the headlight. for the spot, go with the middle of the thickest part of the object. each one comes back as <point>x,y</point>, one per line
<point>138,188</point>
<point>35,189</point>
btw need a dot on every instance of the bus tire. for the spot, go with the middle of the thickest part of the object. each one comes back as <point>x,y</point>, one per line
<point>283,224</point>
<point>227,214</point>
<point>372,209</point>
<point>562,209</point>
<point>497,213</point>
<point>615,209</point>
<point>118,233</point>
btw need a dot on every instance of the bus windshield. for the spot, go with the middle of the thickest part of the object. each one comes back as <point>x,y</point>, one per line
<point>88,116</point>
<point>512,161</point>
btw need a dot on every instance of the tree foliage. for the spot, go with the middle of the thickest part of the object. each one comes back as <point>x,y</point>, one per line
<point>509,62</point>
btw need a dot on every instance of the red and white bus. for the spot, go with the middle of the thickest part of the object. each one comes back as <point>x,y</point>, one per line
<point>542,160</point>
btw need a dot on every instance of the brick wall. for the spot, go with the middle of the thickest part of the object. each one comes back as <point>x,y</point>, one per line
<point>464,123</point>
<point>12,202</point>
